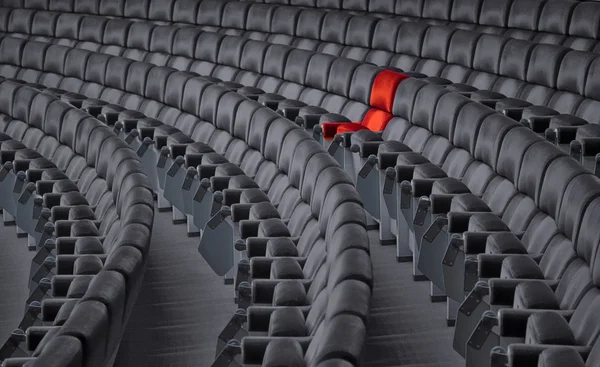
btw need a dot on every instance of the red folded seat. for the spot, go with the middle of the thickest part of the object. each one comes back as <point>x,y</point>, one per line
<point>382,99</point>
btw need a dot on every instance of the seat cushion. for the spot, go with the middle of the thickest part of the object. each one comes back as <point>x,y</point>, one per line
<point>410,158</point>
<point>228,169</point>
<point>541,111</point>
<point>351,127</point>
<point>566,120</point>
<point>520,267</point>
<point>148,122</point>
<point>535,295</point>
<point>504,243</point>
<point>53,174</point>
<point>289,293</point>
<point>251,196</point>
<point>278,247</point>
<point>588,131</point>
<point>511,103</point>
<point>283,353</point>
<point>263,210</point>
<point>273,227</point>
<point>198,147</point>
<point>79,286</point>
<point>81,212</point>
<point>287,321</point>
<point>429,170</point>
<point>286,268</point>
<point>213,158</point>
<point>548,328</point>
<point>391,146</point>
<point>88,246</point>
<point>468,203</point>
<point>87,265</point>
<point>12,145</point>
<point>41,163</point>
<point>449,185</point>
<point>73,198</point>
<point>487,222</point>
<point>242,182</point>
<point>26,154</point>
<point>84,228</point>
<point>64,186</point>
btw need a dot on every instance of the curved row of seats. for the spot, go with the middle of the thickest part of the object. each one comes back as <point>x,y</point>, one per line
<point>502,190</point>
<point>571,91</point>
<point>326,235</point>
<point>544,75</point>
<point>568,23</point>
<point>470,193</point>
<point>92,176</point>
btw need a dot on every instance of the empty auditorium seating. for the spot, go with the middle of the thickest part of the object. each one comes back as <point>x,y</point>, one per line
<point>286,133</point>
<point>101,266</point>
<point>475,63</point>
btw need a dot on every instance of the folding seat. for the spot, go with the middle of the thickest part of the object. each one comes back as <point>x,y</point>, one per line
<point>543,252</point>
<point>376,118</point>
<point>551,355</point>
<point>347,212</point>
<point>540,330</point>
<point>315,350</point>
<point>284,322</point>
<point>569,276</point>
<point>340,273</point>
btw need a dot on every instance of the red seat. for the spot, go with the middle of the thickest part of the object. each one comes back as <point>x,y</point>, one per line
<point>376,119</point>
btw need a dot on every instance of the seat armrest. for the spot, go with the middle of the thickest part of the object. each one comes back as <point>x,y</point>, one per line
<point>193,159</point>
<point>515,113</point>
<point>160,141</point>
<point>65,245</point>
<point>256,246</point>
<point>440,203</point>
<point>404,172</point>
<point>539,124</point>
<point>490,265</point>
<point>35,175</point>
<point>60,213</point>
<point>590,146</point>
<point>219,184</point>
<point>475,242</point>
<point>7,156</point>
<point>422,186</point>
<point>21,165</point>
<point>231,196</point>
<point>368,148</point>
<point>44,187</point>
<point>206,171</point>
<point>52,199</point>
<point>387,159</point>
<point>565,134</point>
<point>146,132</point>
<point>239,212</point>
<point>249,228</point>
<point>177,150</point>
